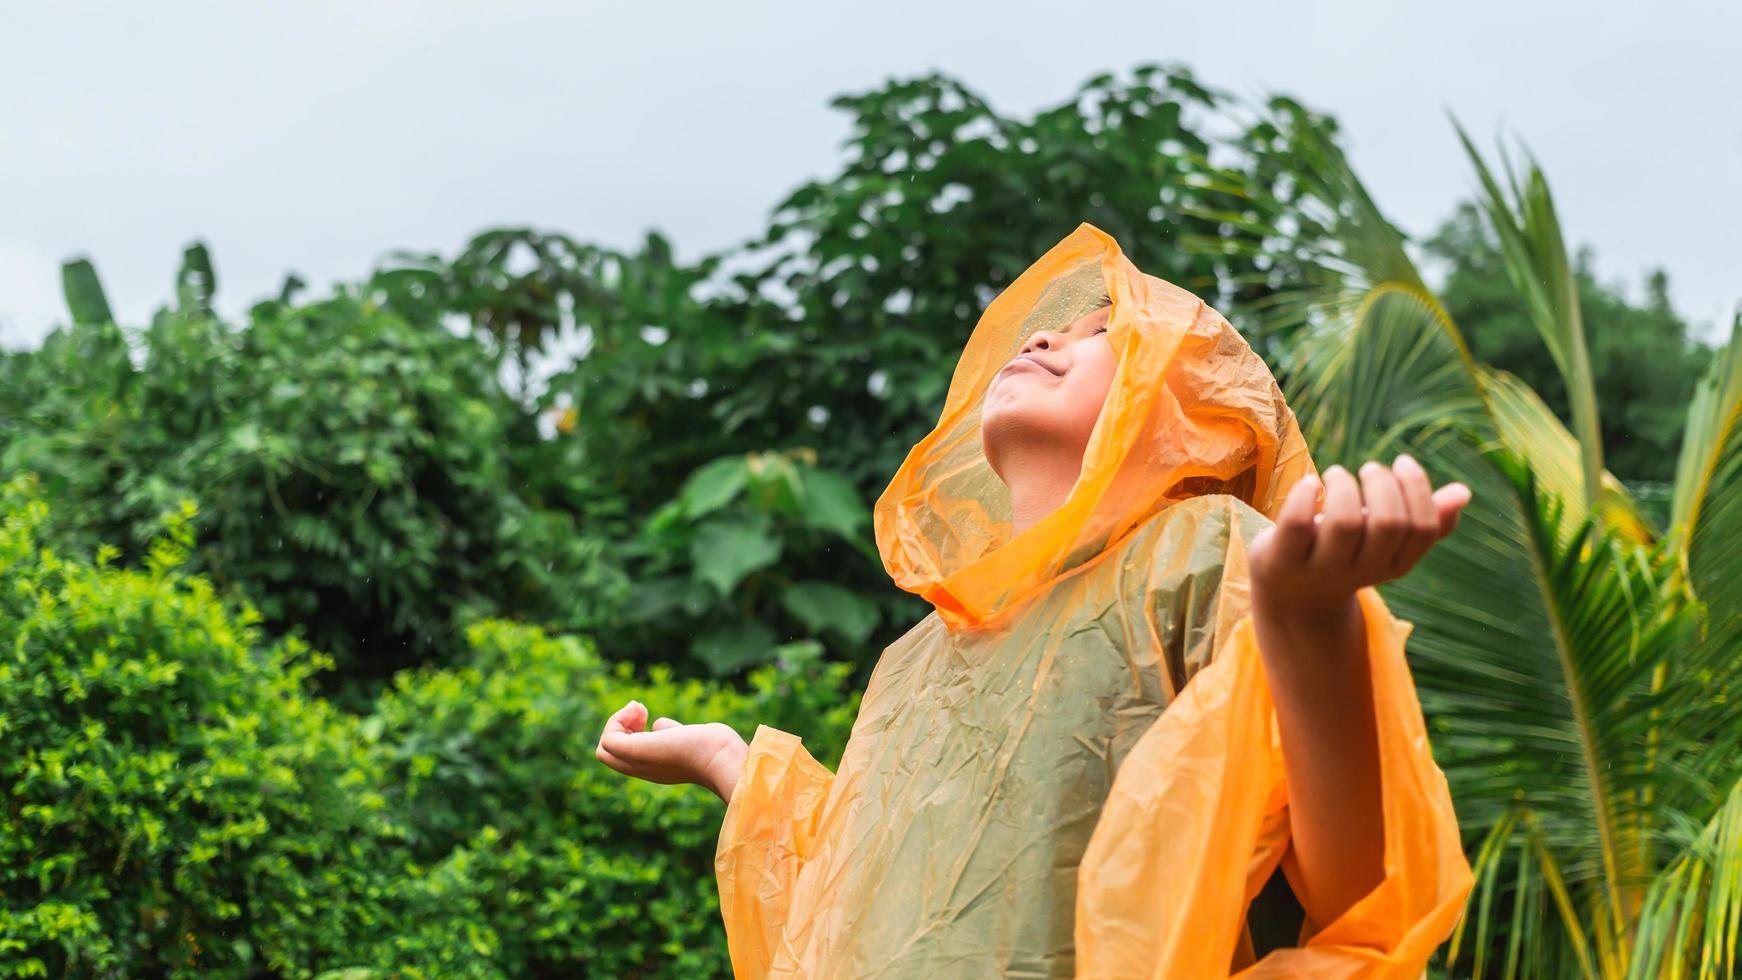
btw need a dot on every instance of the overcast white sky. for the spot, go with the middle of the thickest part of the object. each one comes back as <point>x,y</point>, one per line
<point>316,136</point>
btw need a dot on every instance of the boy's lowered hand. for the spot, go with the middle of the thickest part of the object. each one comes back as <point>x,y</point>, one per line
<point>708,755</point>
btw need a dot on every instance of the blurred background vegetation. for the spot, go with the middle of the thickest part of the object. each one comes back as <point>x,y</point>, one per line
<point>310,620</point>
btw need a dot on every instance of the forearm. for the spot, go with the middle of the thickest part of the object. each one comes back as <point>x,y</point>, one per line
<point>1316,662</point>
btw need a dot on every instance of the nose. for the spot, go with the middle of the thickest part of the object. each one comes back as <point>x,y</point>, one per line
<point>1041,340</point>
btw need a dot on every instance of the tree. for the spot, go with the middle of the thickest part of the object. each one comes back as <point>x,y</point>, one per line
<point>827,342</point>
<point>356,472</point>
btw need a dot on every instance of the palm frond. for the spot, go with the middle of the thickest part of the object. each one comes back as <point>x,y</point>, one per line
<point>1524,219</point>
<point>1391,374</point>
<point>1531,428</point>
<point>1693,912</point>
<point>1581,725</point>
<point>1589,744</point>
<point>1707,505</point>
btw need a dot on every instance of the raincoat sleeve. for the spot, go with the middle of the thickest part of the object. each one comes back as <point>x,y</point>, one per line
<point>1197,819</point>
<point>764,841</point>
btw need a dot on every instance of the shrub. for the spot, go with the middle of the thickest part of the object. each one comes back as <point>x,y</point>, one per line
<point>588,872</point>
<point>176,802</point>
<point>179,803</point>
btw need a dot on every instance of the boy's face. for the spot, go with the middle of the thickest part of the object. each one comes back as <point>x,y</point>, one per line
<point>1041,407</point>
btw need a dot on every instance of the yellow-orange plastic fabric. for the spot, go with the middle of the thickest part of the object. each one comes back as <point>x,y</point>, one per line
<point>1032,788</point>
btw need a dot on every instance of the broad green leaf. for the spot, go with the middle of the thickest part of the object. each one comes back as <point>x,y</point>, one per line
<point>732,647</point>
<point>196,283</point>
<point>824,606</point>
<point>650,601</point>
<point>725,549</point>
<point>774,483</point>
<point>713,485</point>
<point>832,503</point>
<point>84,293</point>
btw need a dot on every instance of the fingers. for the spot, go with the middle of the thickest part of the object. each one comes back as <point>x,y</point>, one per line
<point>664,723</point>
<point>629,718</point>
<point>1341,524</point>
<point>649,748</point>
<point>630,748</point>
<point>1449,502</point>
<point>1387,521</point>
<point>1417,494</point>
<point>610,760</point>
<point>1387,516</point>
<point>1293,533</point>
<point>1424,518</point>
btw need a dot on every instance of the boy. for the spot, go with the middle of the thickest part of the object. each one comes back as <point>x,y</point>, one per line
<point>1115,501</point>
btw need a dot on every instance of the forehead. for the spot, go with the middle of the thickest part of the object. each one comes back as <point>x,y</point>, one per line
<point>1065,300</point>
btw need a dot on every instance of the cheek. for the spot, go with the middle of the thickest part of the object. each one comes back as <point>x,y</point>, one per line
<point>1091,378</point>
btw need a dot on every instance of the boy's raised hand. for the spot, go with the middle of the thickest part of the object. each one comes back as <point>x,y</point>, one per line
<point>708,755</point>
<point>1367,533</point>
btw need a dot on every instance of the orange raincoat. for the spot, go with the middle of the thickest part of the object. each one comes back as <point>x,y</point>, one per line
<point>1032,788</point>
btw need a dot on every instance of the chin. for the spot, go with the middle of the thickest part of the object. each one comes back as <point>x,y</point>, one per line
<point>1016,424</point>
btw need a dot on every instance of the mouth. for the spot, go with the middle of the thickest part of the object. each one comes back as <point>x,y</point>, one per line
<point>1030,362</point>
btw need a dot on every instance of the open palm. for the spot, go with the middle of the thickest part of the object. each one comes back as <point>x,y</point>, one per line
<point>709,755</point>
<point>1366,534</point>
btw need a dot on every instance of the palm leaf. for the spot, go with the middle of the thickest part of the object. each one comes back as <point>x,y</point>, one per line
<point>1391,374</point>
<point>1529,231</point>
<point>1590,765</point>
<point>1553,642</point>
<point>1531,428</point>
<point>1707,504</point>
<point>1693,913</point>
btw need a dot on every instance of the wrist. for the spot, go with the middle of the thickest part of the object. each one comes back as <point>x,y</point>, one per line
<point>726,765</point>
<point>1314,612</point>
<point>1297,640</point>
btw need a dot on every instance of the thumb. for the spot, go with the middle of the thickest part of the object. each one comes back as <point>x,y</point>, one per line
<point>664,723</point>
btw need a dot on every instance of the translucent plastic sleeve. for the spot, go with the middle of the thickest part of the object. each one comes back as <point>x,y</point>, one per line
<point>1196,822</point>
<point>767,834</point>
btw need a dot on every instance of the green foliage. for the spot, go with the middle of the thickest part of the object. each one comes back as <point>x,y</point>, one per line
<point>175,803</point>
<point>86,300</point>
<point>1643,361</point>
<point>580,869</point>
<point>1579,666</point>
<point>357,474</point>
<point>719,558</point>
<point>179,803</point>
<point>830,337</point>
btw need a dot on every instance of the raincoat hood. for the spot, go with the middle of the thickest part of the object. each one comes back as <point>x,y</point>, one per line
<point>1191,410</point>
